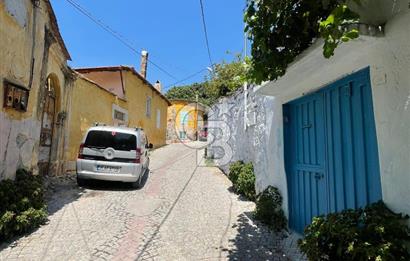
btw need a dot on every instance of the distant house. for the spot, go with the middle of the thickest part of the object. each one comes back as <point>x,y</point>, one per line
<point>35,88</point>
<point>115,95</point>
<point>341,134</point>
<point>46,107</point>
<point>185,120</point>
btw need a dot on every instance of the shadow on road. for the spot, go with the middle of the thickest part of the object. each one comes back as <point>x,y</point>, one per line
<point>61,195</point>
<point>59,191</point>
<point>254,241</point>
<point>115,185</point>
<point>239,196</point>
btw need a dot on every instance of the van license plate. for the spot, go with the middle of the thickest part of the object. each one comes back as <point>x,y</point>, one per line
<point>110,169</point>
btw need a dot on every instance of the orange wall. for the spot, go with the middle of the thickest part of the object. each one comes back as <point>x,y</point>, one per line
<point>180,108</point>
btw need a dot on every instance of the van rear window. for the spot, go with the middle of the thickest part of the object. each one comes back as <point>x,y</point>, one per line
<point>115,140</point>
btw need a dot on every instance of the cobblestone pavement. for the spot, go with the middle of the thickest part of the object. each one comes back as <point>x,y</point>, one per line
<point>185,211</point>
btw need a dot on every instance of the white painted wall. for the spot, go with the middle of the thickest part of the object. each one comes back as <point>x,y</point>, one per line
<point>18,140</point>
<point>389,61</point>
<point>254,144</point>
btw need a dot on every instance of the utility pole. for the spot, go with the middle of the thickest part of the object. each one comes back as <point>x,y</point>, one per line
<point>197,114</point>
<point>245,86</point>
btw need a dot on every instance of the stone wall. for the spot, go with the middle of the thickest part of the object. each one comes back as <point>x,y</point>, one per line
<point>231,140</point>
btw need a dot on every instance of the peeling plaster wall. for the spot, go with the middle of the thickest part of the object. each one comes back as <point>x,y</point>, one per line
<point>389,61</point>
<point>19,131</point>
<point>232,142</point>
<point>17,9</point>
<point>19,142</point>
<point>22,34</point>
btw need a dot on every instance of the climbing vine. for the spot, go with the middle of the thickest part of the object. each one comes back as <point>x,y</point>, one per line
<point>281,29</point>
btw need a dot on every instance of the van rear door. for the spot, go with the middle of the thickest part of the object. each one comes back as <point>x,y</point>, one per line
<point>110,146</point>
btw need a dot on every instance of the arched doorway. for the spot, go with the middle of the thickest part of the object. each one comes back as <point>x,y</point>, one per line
<point>48,119</point>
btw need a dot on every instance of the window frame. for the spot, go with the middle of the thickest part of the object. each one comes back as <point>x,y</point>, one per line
<point>158,119</point>
<point>148,105</point>
<point>116,108</point>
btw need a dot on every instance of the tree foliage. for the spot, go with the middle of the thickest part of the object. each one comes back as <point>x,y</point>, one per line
<point>281,29</point>
<point>226,78</point>
<point>189,92</point>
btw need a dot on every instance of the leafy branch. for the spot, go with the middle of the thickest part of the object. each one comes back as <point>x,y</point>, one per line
<point>334,30</point>
<point>281,29</point>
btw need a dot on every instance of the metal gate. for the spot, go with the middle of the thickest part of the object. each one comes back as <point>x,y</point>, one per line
<point>331,153</point>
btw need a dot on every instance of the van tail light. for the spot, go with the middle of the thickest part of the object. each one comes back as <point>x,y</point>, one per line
<point>80,151</point>
<point>138,156</point>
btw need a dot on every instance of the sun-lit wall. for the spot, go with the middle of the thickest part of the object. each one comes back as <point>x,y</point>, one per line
<point>90,104</point>
<point>29,55</point>
<point>137,92</point>
<point>184,120</point>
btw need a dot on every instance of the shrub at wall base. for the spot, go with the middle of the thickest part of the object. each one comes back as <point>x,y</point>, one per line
<point>269,209</point>
<point>234,171</point>
<point>22,205</point>
<point>372,233</point>
<point>243,179</point>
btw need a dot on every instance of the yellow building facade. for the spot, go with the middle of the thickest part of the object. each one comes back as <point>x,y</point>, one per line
<point>185,119</point>
<point>35,88</point>
<point>116,95</point>
<point>46,107</point>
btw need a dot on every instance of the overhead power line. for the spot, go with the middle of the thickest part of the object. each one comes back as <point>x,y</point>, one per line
<point>115,34</point>
<point>206,33</point>
<point>185,79</point>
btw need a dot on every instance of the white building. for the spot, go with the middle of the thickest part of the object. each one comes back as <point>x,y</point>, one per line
<point>340,134</point>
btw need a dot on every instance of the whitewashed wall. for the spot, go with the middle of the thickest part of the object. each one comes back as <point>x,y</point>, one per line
<point>387,56</point>
<point>389,60</point>
<point>254,144</point>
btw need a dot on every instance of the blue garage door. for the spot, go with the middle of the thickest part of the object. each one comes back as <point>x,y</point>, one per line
<point>331,151</point>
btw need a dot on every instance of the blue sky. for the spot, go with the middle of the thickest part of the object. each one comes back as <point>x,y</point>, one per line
<point>171,31</point>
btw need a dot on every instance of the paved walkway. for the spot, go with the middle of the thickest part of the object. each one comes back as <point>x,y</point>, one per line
<point>185,211</point>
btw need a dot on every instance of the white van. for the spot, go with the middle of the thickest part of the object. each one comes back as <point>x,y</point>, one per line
<point>113,154</point>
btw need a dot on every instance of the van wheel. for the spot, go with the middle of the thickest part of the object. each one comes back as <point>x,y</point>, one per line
<point>136,184</point>
<point>81,182</point>
<point>147,165</point>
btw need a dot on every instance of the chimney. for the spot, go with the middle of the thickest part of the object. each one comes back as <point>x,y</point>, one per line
<point>158,85</point>
<point>144,62</point>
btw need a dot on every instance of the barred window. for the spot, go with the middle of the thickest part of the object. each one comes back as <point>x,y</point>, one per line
<point>119,115</point>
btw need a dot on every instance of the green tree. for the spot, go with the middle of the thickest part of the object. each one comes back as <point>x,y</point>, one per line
<point>189,92</point>
<point>281,29</point>
<point>226,78</point>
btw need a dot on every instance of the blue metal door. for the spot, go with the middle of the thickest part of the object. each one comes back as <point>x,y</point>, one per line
<point>331,151</point>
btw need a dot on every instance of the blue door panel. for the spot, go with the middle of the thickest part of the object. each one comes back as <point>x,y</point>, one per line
<point>307,171</point>
<point>371,149</point>
<point>331,155</point>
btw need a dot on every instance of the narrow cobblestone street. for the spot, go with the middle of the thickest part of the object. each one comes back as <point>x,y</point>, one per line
<point>185,211</point>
